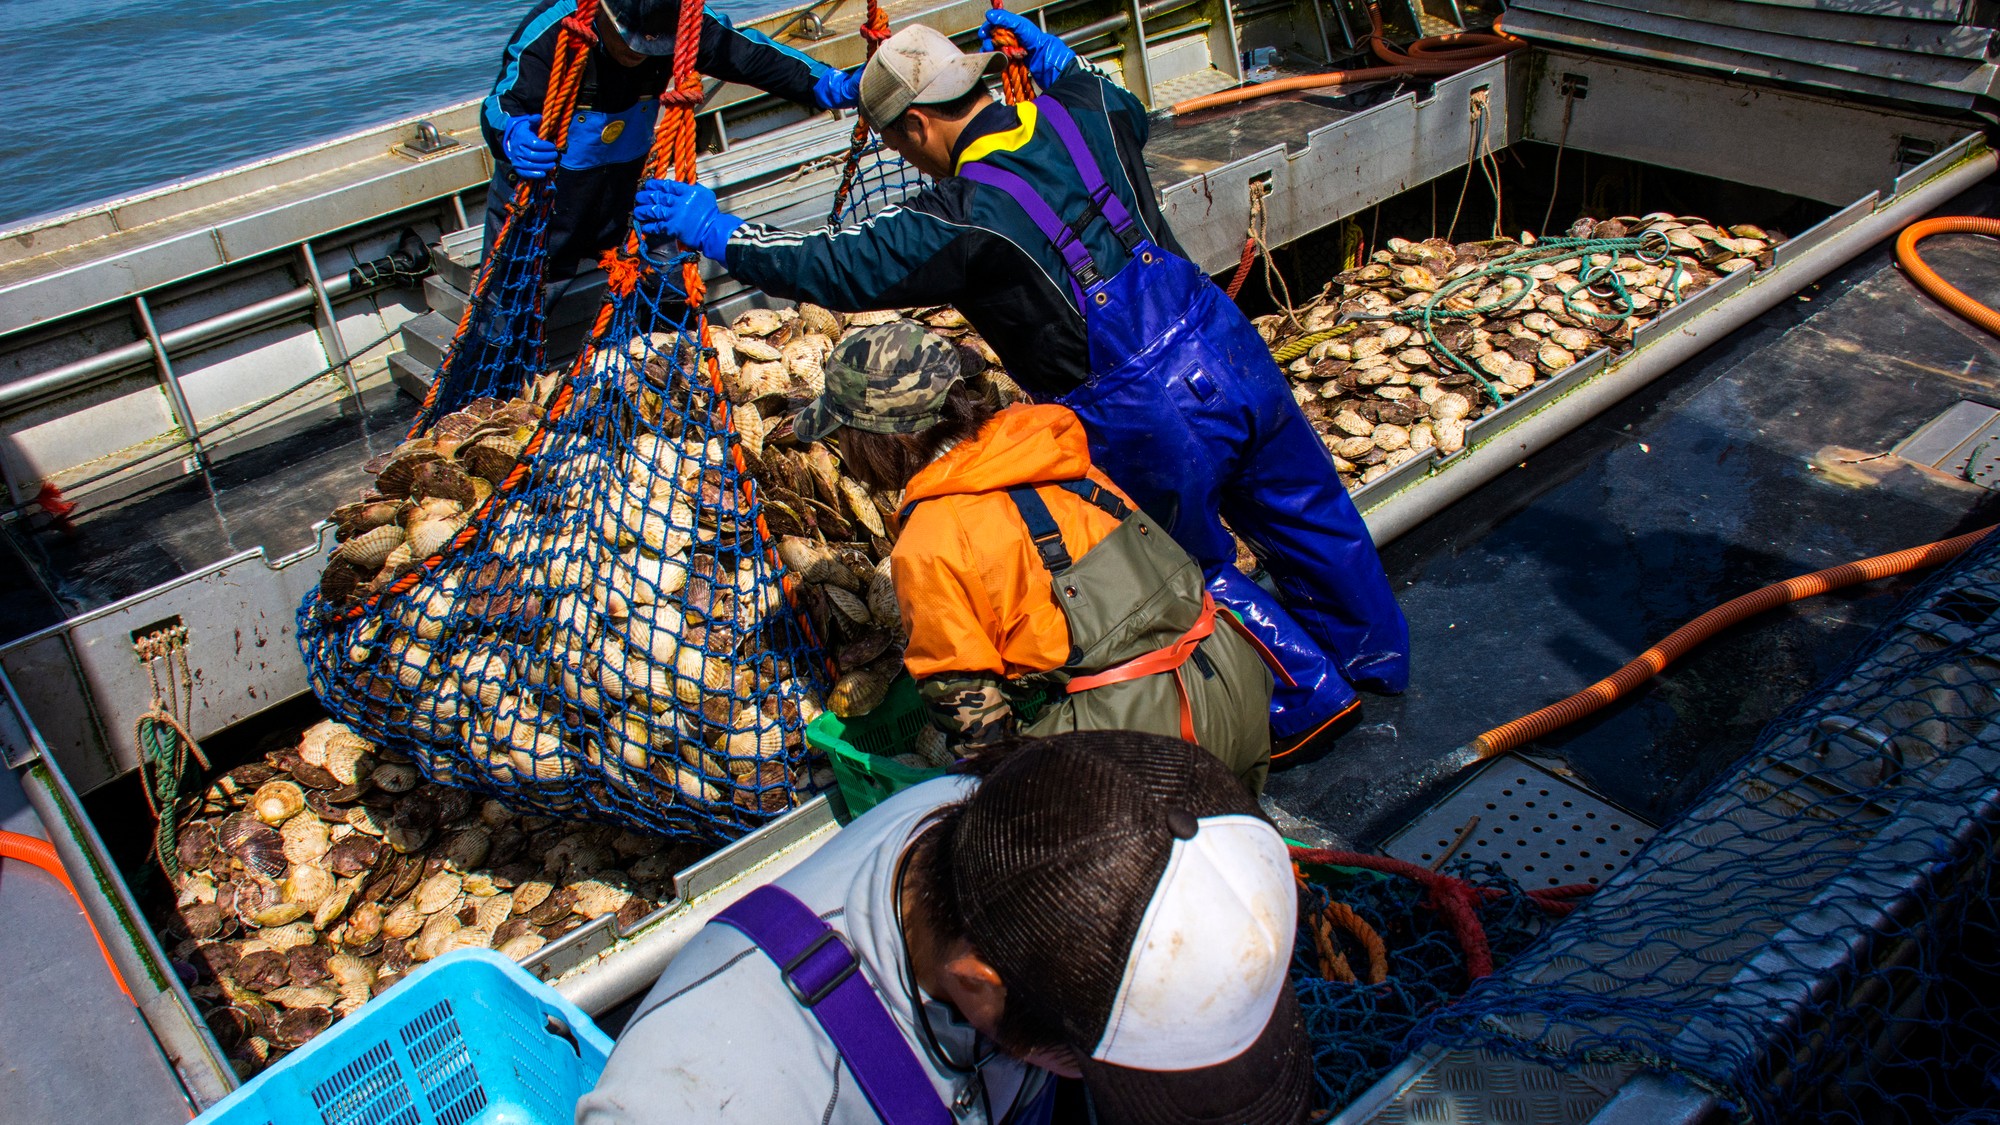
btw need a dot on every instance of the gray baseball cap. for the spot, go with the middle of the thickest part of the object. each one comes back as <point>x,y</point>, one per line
<point>886,379</point>
<point>919,66</point>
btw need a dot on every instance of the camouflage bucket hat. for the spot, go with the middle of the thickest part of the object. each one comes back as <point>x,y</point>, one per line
<point>886,379</point>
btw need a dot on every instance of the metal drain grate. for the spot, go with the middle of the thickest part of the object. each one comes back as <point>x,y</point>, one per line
<point>1541,829</point>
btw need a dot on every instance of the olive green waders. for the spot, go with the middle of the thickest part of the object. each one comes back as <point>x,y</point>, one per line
<point>1149,651</point>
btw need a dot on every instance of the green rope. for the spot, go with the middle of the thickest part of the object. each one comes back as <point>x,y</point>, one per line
<point>164,742</point>
<point>1649,246</point>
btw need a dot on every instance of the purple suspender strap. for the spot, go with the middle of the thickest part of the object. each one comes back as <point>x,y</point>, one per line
<point>821,970</point>
<point>1086,165</point>
<point>1076,257</point>
<point>1074,254</point>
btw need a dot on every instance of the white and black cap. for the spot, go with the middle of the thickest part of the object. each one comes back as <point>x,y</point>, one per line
<point>1141,910</point>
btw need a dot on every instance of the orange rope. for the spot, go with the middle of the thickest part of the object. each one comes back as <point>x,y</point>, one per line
<point>1927,278</point>
<point>1015,81</point>
<point>13,845</point>
<point>1506,737</point>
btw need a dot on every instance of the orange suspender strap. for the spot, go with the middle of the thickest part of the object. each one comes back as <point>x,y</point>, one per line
<point>1167,659</point>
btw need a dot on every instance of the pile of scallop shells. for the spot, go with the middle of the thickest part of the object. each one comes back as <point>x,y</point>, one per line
<point>424,492</point>
<point>834,534</point>
<point>316,878</point>
<point>1379,395</point>
<point>613,637</point>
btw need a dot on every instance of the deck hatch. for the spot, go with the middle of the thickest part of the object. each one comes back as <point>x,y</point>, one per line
<point>1540,828</point>
<point>1962,443</point>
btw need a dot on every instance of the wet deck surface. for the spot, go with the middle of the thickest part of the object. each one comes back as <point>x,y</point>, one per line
<point>65,1015</point>
<point>1730,473</point>
<point>268,497</point>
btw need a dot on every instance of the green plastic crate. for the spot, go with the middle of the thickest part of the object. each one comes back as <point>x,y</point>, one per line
<point>861,749</point>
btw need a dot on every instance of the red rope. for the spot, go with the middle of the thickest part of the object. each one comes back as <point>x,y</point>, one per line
<point>1243,268</point>
<point>1453,898</point>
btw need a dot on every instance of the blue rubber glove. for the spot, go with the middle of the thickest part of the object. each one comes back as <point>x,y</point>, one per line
<point>838,89</point>
<point>531,156</point>
<point>1048,56</point>
<point>687,212</point>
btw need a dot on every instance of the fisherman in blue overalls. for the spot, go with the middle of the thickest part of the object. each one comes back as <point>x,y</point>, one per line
<point>1105,906</point>
<point>630,65</point>
<point>1043,230</point>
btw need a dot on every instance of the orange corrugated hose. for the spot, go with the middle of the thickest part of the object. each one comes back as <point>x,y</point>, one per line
<point>1927,278</point>
<point>1506,737</point>
<point>1432,57</point>
<point>28,849</point>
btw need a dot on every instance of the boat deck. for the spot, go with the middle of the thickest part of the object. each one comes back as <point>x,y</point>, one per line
<point>1761,458</point>
<point>1764,457</point>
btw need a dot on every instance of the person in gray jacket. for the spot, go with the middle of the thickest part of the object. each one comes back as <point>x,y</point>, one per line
<point>1104,905</point>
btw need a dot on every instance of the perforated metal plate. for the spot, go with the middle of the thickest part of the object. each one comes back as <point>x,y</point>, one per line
<point>1541,829</point>
<point>1438,1086</point>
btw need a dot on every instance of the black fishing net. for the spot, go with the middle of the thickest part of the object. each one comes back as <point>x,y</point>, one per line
<point>1375,955</point>
<point>1814,940</point>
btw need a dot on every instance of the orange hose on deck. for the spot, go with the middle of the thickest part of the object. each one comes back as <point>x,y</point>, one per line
<point>1432,57</point>
<point>1927,278</point>
<point>1506,737</point>
<point>13,845</point>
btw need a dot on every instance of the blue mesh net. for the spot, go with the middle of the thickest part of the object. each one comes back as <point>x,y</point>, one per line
<point>873,180</point>
<point>1814,939</point>
<point>500,343</point>
<point>1359,1013</point>
<point>578,609</point>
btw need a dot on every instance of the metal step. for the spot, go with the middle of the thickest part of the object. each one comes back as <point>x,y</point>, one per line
<point>444,298</point>
<point>456,256</point>
<point>410,375</point>
<point>428,337</point>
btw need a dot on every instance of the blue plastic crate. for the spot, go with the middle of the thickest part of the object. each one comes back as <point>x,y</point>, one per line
<point>469,1039</point>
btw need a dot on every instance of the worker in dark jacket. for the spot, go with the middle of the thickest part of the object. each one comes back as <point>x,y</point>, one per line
<point>1042,229</point>
<point>629,67</point>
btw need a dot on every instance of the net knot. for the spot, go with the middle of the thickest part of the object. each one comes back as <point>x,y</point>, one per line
<point>622,271</point>
<point>582,23</point>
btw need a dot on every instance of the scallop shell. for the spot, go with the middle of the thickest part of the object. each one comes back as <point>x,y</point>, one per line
<point>306,839</point>
<point>370,549</point>
<point>824,322</point>
<point>850,607</point>
<point>756,322</point>
<point>335,903</point>
<point>529,895</point>
<point>403,921</point>
<point>882,605</point>
<point>522,946</point>
<point>595,898</point>
<point>493,457</point>
<point>307,886</point>
<point>1450,434</point>
<point>431,536</point>
<point>292,996</point>
<point>254,844</point>
<point>395,777</point>
<point>437,892</point>
<point>859,692</point>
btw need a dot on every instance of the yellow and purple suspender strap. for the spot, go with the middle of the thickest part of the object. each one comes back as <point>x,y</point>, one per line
<point>1065,237</point>
<point>824,975</point>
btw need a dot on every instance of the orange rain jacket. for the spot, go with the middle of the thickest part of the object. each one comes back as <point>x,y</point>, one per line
<point>973,592</point>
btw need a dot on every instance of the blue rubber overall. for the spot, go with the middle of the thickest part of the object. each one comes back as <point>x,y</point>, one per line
<point>1187,411</point>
